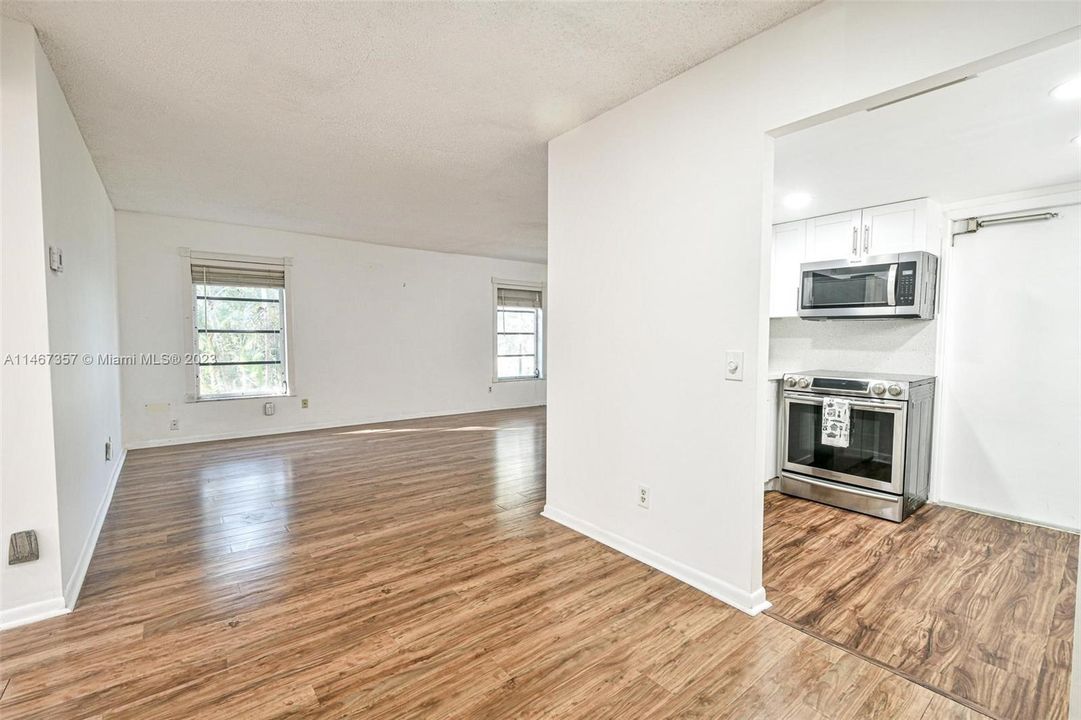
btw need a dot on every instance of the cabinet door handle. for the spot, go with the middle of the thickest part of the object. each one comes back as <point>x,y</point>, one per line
<point>855,239</point>
<point>866,239</point>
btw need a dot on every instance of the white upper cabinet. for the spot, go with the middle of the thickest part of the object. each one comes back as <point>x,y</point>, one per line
<point>789,246</point>
<point>894,228</point>
<point>832,237</point>
<point>850,236</point>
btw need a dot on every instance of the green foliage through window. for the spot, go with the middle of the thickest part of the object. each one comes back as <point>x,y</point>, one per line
<point>240,340</point>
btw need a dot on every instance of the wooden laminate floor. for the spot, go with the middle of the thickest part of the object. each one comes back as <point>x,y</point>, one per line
<point>977,607</point>
<point>398,571</point>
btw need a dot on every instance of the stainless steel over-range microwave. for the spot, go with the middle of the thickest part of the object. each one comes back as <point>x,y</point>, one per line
<point>882,286</point>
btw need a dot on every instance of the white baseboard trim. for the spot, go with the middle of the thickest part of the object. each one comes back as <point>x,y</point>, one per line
<point>32,612</point>
<point>1006,516</point>
<point>306,427</point>
<point>74,584</point>
<point>751,603</point>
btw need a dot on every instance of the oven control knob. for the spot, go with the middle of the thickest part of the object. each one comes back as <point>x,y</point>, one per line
<point>790,382</point>
<point>878,388</point>
<point>804,382</point>
<point>895,390</point>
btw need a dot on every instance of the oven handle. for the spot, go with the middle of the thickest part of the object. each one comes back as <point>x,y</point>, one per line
<point>869,403</point>
<point>891,285</point>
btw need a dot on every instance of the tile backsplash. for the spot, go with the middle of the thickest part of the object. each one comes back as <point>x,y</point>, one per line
<point>897,346</point>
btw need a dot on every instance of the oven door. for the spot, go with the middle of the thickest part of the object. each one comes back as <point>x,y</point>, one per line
<point>875,454</point>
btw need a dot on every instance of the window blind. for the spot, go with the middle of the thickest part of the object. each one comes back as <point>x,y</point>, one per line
<point>243,276</point>
<point>512,297</point>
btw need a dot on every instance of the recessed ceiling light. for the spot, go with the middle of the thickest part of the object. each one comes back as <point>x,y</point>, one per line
<point>797,200</point>
<point>1069,90</point>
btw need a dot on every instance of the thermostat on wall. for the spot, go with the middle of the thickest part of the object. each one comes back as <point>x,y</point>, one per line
<point>56,259</point>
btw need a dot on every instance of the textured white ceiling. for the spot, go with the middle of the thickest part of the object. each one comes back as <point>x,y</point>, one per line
<point>414,124</point>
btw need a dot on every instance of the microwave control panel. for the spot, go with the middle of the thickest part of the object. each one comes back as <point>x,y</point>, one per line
<point>906,283</point>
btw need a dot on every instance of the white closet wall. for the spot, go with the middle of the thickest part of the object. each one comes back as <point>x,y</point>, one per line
<point>1009,395</point>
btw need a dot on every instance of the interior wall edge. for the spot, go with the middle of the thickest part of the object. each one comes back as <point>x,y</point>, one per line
<point>28,477</point>
<point>82,316</point>
<point>751,603</point>
<point>74,584</point>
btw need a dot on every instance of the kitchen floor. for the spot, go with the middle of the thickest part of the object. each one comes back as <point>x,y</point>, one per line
<point>977,608</point>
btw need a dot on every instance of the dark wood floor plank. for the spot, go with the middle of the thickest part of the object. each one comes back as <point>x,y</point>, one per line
<point>978,607</point>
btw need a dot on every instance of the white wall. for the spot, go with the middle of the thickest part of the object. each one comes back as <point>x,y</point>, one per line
<point>1008,408</point>
<point>56,417</point>
<point>888,346</point>
<point>27,464</point>
<point>82,304</point>
<point>378,332</point>
<point>661,203</point>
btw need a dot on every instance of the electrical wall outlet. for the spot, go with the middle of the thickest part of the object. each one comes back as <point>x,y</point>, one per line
<point>643,497</point>
<point>108,449</point>
<point>304,403</point>
<point>268,408</point>
<point>174,424</point>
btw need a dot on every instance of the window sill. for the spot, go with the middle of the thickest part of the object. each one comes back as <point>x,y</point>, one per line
<point>521,379</point>
<point>222,398</point>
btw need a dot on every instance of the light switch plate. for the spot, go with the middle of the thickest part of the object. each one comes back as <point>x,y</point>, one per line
<point>733,365</point>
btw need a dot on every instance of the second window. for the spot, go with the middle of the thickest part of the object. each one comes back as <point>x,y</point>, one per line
<point>518,329</point>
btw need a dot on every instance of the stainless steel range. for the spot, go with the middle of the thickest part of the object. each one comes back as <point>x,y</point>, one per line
<point>884,470</point>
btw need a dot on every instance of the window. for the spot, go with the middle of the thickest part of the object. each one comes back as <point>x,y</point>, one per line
<point>239,328</point>
<point>518,333</point>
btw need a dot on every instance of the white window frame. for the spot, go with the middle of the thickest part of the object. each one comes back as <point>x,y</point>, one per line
<point>542,329</point>
<point>191,394</point>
